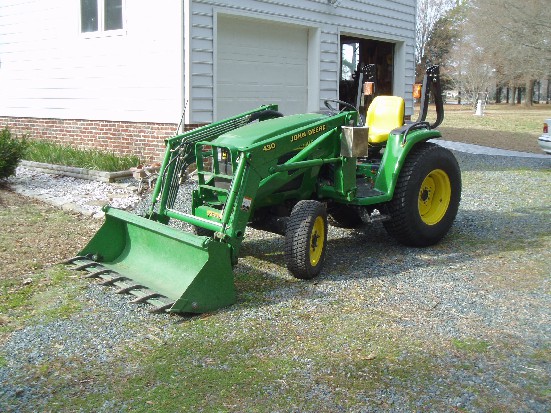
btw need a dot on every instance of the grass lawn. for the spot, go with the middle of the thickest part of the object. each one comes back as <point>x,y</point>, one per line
<point>502,126</point>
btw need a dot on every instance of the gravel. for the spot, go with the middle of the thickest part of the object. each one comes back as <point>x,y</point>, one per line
<point>73,194</point>
<point>454,291</point>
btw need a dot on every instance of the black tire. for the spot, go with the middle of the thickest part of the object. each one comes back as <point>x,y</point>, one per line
<point>306,239</point>
<point>343,216</point>
<point>426,197</point>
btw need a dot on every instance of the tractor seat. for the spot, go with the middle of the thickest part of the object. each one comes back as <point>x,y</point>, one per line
<point>383,115</point>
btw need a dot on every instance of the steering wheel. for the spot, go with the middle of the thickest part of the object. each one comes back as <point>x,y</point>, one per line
<point>334,111</point>
<point>341,102</point>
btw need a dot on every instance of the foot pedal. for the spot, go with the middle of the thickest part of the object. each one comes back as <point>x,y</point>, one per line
<point>376,216</point>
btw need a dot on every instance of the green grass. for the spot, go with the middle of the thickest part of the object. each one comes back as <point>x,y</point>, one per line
<point>208,364</point>
<point>502,126</point>
<point>48,295</point>
<point>516,119</point>
<point>471,345</point>
<point>52,153</point>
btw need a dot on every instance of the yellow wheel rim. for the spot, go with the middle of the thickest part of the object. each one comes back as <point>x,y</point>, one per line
<point>434,197</point>
<point>317,238</point>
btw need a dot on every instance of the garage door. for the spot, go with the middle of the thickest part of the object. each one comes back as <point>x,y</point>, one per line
<point>260,62</point>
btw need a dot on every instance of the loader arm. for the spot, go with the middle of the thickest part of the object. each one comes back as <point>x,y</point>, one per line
<point>180,154</point>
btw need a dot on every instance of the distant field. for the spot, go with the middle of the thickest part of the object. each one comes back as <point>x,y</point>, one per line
<point>502,126</point>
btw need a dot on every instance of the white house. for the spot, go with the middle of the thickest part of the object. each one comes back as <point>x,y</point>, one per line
<point>118,74</point>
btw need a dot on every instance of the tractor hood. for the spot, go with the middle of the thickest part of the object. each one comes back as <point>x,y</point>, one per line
<point>253,133</point>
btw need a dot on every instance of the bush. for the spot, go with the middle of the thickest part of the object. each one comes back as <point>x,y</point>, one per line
<point>11,151</point>
<point>54,153</point>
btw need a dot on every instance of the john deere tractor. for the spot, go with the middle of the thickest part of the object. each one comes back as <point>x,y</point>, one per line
<point>291,175</point>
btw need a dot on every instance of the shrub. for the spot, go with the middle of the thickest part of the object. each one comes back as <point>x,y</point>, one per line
<point>54,153</point>
<point>11,151</point>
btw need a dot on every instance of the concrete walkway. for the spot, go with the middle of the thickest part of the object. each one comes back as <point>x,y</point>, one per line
<point>484,150</point>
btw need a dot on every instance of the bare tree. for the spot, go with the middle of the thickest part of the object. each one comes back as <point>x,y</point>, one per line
<point>473,75</point>
<point>515,38</point>
<point>444,39</point>
<point>428,13</point>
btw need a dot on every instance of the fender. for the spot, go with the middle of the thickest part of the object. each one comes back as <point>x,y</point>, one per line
<point>399,145</point>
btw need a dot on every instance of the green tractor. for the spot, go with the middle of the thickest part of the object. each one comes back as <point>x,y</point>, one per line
<point>291,175</point>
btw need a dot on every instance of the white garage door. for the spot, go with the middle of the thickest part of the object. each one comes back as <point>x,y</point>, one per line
<point>260,62</point>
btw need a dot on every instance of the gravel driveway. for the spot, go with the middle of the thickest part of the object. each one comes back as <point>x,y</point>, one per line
<point>462,326</point>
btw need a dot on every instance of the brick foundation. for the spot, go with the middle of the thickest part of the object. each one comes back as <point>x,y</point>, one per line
<point>143,139</point>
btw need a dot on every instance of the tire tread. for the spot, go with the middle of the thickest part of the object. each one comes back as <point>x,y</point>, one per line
<point>400,226</point>
<point>297,239</point>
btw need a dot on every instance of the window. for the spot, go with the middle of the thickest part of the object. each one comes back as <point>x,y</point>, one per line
<point>100,15</point>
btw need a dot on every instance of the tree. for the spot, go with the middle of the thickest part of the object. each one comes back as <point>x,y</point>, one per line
<point>349,59</point>
<point>428,14</point>
<point>472,75</point>
<point>515,38</point>
<point>444,38</point>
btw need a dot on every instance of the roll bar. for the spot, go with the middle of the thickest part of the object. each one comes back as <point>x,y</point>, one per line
<point>431,84</point>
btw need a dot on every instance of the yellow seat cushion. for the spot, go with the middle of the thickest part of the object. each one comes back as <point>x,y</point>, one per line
<point>383,115</point>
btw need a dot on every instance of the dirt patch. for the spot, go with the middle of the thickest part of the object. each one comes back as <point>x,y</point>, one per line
<point>35,235</point>
<point>514,128</point>
<point>523,142</point>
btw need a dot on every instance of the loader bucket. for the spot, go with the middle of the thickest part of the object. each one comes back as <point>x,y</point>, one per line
<point>169,268</point>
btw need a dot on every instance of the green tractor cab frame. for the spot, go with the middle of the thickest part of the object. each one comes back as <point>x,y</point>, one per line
<point>291,175</point>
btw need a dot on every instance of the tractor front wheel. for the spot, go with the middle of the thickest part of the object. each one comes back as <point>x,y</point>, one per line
<point>426,197</point>
<point>306,239</point>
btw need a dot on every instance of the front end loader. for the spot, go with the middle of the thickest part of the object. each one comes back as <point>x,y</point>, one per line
<point>291,175</point>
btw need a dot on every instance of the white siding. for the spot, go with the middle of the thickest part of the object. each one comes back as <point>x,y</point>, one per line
<point>387,20</point>
<point>50,70</point>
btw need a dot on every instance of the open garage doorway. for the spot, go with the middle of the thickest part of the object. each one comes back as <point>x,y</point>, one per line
<point>357,53</point>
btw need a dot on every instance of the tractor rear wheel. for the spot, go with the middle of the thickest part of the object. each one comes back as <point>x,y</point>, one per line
<point>426,197</point>
<point>306,239</point>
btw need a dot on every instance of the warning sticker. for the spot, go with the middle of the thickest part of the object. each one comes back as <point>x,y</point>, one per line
<point>246,205</point>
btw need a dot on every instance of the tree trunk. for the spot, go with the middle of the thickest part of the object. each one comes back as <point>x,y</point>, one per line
<point>529,93</point>
<point>498,94</point>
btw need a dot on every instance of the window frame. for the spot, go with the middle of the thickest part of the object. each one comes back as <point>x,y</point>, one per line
<point>101,32</point>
